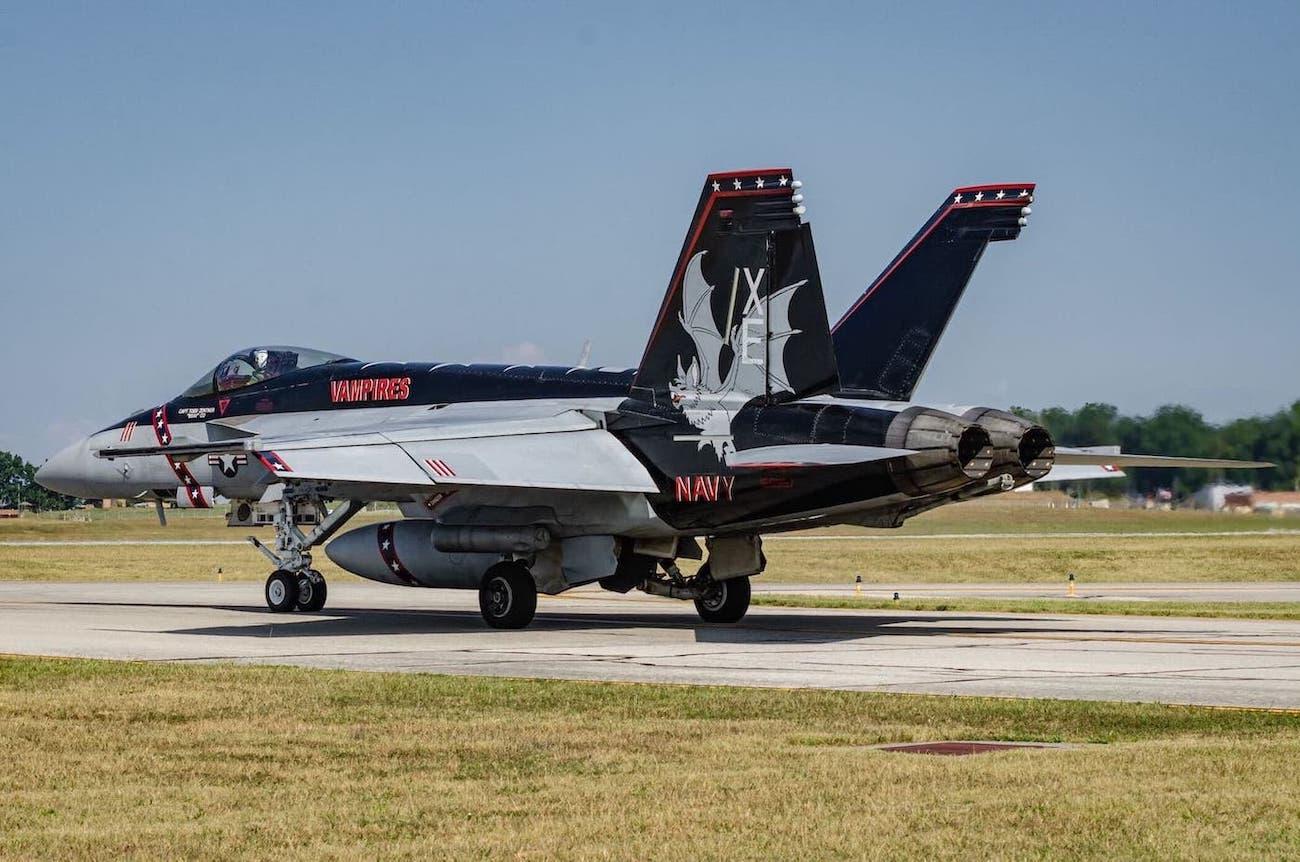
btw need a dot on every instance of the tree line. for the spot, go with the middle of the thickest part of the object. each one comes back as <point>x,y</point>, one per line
<point>1176,429</point>
<point>18,486</point>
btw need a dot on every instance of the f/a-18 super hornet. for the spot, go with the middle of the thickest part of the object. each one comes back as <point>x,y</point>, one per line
<point>747,415</point>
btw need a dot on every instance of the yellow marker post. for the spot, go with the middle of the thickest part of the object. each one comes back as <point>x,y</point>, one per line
<point>857,585</point>
<point>1070,590</point>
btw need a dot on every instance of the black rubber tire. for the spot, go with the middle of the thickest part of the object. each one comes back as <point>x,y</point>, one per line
<point>728,605</point>
<point>311,591</point>
<point>507,597</point>
<point>282,591</point>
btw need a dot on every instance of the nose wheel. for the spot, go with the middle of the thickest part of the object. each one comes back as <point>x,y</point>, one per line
<point>287,591</point>
<point>282,591</point>
<point>311,591</point>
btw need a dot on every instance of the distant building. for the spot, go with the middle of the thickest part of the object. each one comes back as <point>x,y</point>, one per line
<point>1277,502</point>
<point>1216,497</point>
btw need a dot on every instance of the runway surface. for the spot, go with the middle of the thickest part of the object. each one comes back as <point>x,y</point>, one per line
<point>589,634</point>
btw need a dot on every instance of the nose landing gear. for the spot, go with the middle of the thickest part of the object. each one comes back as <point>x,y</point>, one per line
<point>295,584</point>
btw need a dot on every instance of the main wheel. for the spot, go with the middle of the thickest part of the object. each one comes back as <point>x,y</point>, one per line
<point>282,591</point>
<point>508,596</point>
<point>311,591</point>
<point>726,602</point>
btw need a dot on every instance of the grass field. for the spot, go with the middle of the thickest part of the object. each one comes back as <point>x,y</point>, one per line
<point>168,761</point>
<point>1008,513</point>
<point>1222,610</point>
<point>901,556</point>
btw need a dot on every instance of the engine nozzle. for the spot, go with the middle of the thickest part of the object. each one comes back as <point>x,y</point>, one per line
<point>1021,449</point>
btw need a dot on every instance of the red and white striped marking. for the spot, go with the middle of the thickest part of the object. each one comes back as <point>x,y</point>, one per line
<point>440,467</point>
<point>127,431</point>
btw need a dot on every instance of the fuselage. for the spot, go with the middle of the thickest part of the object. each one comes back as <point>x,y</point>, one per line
<point>699,493</point>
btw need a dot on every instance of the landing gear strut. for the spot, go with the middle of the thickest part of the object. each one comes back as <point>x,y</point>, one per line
<point>295,584</point>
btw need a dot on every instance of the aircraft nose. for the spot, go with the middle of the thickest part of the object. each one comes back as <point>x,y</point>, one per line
<point>65,472</point>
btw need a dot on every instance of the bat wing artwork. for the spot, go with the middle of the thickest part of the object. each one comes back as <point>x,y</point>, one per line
<point>747,415</point>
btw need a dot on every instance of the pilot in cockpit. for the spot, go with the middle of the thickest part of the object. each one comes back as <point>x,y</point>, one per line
<point>257,366</point>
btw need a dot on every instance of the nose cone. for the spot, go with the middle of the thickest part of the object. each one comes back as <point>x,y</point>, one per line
<point>68,472</point>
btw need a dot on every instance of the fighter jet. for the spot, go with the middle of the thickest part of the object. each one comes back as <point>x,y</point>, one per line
<point>519,479</point>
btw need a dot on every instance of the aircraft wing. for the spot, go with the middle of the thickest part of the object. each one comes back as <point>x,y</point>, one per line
<point>567,450</point>
<point>1067,456</point>
<point>587,460</point>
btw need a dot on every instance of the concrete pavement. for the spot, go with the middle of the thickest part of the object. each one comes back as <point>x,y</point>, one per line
<point>590,634</point>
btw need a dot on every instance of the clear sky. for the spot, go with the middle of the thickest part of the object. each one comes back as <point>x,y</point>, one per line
<point>496,181</point>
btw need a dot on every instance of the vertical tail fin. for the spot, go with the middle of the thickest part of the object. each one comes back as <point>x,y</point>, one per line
<point>885,340</point>
<point>744,315</point>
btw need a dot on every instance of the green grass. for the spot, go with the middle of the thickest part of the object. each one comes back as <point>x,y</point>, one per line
<point>1224,610</point>
<point>166,761</point>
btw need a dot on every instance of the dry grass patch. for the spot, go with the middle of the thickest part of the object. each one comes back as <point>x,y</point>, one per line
<point>1221,610</point>
<point>1040,560</point>
<point>1045,560</point>
<point>105,759</point>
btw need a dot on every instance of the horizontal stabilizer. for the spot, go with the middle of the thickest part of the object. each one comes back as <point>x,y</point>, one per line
<point>1066,456</point>
<point>809,455</point>
<point>1079,473</point>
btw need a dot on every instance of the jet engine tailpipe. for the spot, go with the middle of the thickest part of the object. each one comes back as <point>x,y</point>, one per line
<point>947,452</point>
<point>1021,449</point>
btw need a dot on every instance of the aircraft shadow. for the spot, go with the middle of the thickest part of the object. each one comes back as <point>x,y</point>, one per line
<point>767,627</point>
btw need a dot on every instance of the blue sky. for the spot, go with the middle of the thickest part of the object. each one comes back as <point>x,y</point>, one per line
<point>499,181</point>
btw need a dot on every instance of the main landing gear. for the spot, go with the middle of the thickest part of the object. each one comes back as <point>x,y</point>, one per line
<point>295,585</point>
<point>724,601</point>
<point>507,598</point>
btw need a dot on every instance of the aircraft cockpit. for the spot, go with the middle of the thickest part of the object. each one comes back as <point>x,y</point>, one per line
<point>258,365</point>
